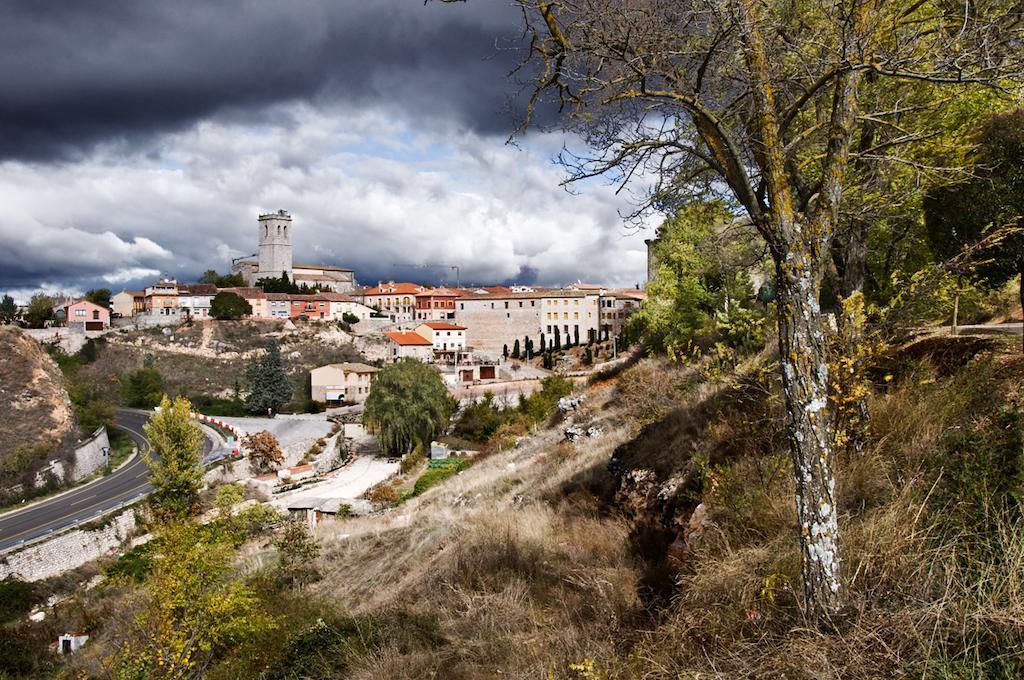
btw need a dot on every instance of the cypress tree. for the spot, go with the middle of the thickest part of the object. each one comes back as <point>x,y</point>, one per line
<point>269,387</point>
<point>576,335</point>
<point>542,347</point>
<point>558,339</point>
<point>504,351</point>
<point>515,349</point>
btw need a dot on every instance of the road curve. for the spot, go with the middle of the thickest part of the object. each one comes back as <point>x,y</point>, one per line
<point>82,503</point>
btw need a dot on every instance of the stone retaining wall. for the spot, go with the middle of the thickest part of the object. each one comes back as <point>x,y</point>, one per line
<point>68,550</point>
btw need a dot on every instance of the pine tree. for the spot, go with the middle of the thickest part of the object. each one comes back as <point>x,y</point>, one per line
<point>269,387</point>
<point>8,310</point>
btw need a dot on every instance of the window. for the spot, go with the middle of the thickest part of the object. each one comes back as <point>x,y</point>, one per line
<point>575,315</point>
<point>462,306</point>
<point>95,314</point>
<point>576,302</point>
<point>565,315</point>
<point>506,305</point>
<point>520,303</point>
<point>531,303</point>
<point>79,312</point>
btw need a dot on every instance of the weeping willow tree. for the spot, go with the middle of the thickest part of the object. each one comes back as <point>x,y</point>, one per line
<point>408,406</point>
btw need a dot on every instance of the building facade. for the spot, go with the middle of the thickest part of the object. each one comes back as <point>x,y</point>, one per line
<point>87,316</point>
<point>128,303</point>
<point>397,301</point>
<point>344,382</point>
<point>194,300</point>
<point>493,320</point>
<point>409,345</point>
<point>436,304</point>
<point>161,299</point>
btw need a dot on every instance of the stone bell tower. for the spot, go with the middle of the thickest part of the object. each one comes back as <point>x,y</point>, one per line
<point>275,245</point>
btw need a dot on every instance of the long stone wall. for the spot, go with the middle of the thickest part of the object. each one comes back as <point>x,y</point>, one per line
<point>68,550</point>
<point>89,455</point>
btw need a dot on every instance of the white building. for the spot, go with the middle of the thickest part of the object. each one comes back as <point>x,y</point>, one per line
<point>445,337</point>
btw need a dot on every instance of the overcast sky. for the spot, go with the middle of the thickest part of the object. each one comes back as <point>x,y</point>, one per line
<point>142,138</point>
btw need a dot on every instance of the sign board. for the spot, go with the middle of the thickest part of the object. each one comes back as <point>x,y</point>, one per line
<point>334,394</point>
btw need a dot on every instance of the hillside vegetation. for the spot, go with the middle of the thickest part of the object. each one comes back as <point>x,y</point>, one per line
<point>663,545</point>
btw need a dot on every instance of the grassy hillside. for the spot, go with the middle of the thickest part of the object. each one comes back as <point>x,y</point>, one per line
<point>664,546</point>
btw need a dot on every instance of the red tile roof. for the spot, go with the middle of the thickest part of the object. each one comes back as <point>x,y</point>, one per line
<point>408,338</point>
<point>442,292</point>
<point>392,288</point>
<point>443,326</point>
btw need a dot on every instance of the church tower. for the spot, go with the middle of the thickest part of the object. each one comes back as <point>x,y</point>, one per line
<point>275,245</point>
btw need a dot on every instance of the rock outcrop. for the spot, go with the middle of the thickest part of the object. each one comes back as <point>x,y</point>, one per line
<point>38,421</point>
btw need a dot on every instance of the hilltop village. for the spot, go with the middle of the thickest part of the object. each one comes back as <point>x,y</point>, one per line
<point>438,325</point>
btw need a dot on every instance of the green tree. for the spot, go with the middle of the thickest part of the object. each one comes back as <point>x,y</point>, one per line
<point>228,305</point>
<point>543,346</point>
<point>515,349</point>
<point>142,388</point>
<point>39,310</point>
<point>8,310</point>
<point>297,550</point>
<point>267,382</point>
<point>576,335</point>
<point>766,106</point>
<point>557,344</point>
<point>229,281</point>
<point>408,406</point>
<point>99,296</point>
<point>175,460</point>
<point>504,351</point>
<point>192,610</point>
<point>988,205</point>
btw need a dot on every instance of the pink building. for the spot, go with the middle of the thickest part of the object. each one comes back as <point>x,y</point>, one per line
<point>86,316</point>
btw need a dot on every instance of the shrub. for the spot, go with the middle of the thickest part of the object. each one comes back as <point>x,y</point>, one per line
<point>384,493</point>
<point>435,475</point>
<point>349,318</point>
<point>16,598</point>
<point>412,460</point>
<point>142,388</point>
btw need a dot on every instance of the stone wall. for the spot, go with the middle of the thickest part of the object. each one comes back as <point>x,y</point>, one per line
<point>493,323</point>
<point>68,550</point>
<point>89,455</point>
<point>87,459</point>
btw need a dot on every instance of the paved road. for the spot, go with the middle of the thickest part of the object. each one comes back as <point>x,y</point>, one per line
<point>85,502</point>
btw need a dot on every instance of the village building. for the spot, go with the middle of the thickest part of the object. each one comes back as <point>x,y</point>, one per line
<point>161,299</point>
<point>494,320</point>
<point>256,298</point>
<point>396,301</point>
<point>275,259</point>
<point>409,345</point>
<point>616,308</point>
<point>309,307</point>
<point>194,300</point>
<point>436,304</point>
<point>341,383</point>
<point>276,306</point>
<point>341,304</point>
<point>444,336</point>
<point>87,316</point>
<point>128,303</point>
<point>576,314</point>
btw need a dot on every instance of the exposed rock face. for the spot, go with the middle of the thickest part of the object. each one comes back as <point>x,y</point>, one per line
<point>34,407</point>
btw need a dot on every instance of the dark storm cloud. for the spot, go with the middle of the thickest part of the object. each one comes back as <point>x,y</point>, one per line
<point>76,73</point>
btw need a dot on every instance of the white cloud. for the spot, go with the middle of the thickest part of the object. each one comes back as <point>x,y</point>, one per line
<point>366,191</point>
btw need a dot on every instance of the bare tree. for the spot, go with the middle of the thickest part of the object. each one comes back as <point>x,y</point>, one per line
<point>760,103</point>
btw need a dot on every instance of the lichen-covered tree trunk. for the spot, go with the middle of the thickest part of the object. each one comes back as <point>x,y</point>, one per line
<point>805,379</point>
